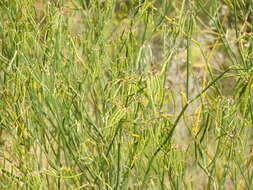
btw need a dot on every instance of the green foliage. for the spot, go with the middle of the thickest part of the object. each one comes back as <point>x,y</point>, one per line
<point>122,94</point>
